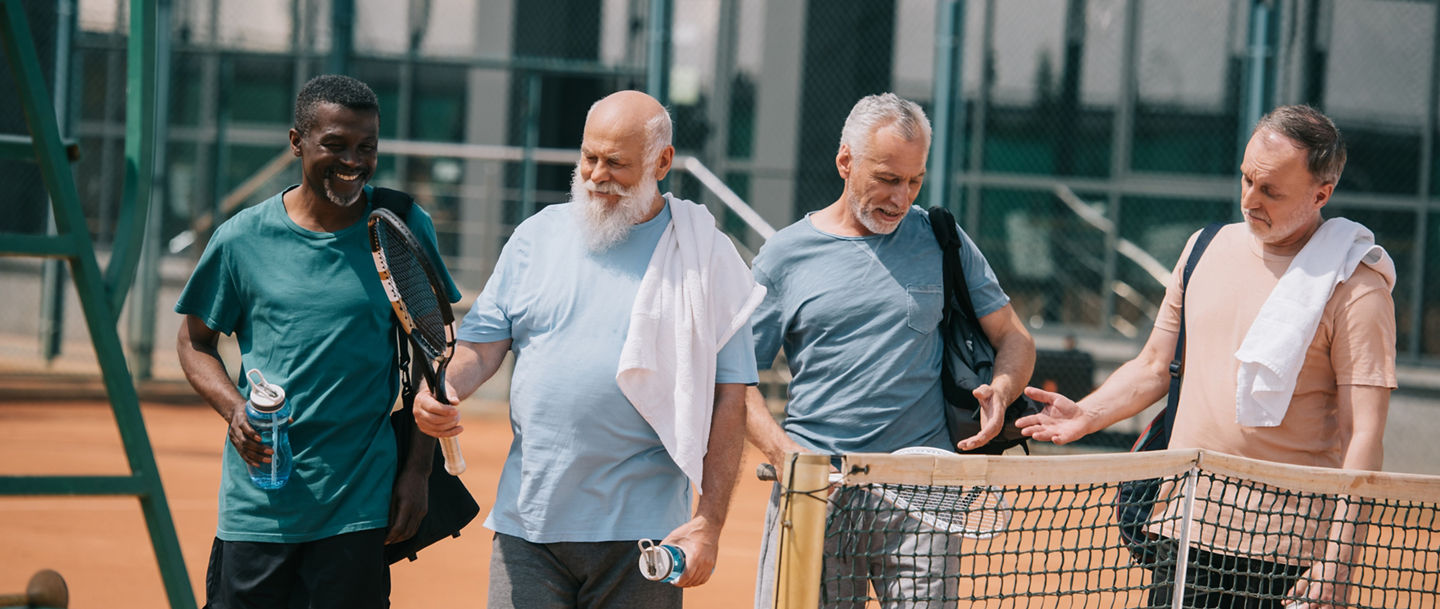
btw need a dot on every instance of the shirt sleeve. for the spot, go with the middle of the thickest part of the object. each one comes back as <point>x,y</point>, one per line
<point>489,320</point>
<point>765,322</point>
<point>1362,344</point>
<point>985,292</point>
<point>212,294</point>
<point>735,363</point>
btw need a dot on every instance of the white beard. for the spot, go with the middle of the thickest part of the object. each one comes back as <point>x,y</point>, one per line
<point>606,225</point>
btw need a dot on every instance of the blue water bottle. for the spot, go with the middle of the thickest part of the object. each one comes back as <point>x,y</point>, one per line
<point>661,562</point>
<point>269,414</point>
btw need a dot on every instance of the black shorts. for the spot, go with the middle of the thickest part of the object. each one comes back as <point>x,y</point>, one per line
<point>347,570</point>
<point>1222,581</point>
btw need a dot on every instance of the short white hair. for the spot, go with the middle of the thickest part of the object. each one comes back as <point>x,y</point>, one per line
<point>658,132</point>
<point>875,111</point>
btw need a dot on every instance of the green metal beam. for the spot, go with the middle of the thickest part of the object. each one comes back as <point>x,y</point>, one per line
<point>948,135</point>
<point>20,148</point>
<point>657,51</point>
<point>43,246</point>
<point>342,36</point>
<point>146,284</point>
<point>73,485</point>
<point>139,153</point>
<point>1259,69</point>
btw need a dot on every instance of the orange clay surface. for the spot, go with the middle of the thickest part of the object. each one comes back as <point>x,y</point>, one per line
<point>100,544</point>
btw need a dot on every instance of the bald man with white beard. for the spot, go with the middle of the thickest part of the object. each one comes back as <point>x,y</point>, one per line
<point>588,475</point>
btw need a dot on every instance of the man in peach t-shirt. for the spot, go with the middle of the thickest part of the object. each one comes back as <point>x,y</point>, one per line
<point>1335,418</point>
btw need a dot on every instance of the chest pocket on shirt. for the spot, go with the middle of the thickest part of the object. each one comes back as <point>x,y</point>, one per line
<point>926,304</point>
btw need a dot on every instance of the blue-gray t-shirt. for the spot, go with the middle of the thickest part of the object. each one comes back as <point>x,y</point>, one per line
<point>857,317</point>
<point>309,312</point>
<point>584,465</point>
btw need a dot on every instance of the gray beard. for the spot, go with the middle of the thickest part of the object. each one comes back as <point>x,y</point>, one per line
<point>606,226</point>
<point>866,220</point>
<point>334,198</point>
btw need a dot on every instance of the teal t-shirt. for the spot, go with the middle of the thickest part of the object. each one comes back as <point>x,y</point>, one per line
<point>584,466</point>
<point>309,312</point>
<point>857,317</point>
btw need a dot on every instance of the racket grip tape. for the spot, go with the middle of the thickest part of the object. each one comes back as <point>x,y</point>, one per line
<point>454,459</point>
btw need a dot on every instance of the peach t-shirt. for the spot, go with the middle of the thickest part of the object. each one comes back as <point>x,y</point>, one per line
<point>1354,345</point>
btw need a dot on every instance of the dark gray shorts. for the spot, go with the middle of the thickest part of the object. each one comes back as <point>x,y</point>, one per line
<point>593,575</point>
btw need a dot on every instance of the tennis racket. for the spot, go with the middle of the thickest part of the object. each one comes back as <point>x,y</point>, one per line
<point>977,512</point>
<point>415,292</point>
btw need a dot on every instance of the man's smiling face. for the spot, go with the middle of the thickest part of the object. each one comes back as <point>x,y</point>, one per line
<point>338,154</point>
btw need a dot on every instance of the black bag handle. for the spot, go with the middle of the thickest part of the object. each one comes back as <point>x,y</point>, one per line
<point>942,223</point>
<point>1177,364</point>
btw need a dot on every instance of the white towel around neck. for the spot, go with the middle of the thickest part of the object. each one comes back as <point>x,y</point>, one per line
<point>695,294</point>
<point>1274,348</point>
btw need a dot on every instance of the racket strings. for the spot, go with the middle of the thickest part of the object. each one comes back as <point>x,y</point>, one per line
<point>975,511</point>
<point>412,285</point>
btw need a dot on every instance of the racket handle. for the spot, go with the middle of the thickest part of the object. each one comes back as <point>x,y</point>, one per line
<point>454,460</point>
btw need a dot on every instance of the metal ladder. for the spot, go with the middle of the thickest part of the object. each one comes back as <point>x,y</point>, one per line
<point>101,296</point>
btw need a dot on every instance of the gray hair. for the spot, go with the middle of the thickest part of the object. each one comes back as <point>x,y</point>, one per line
<point>657,135</point>
<point>1312,132</point>
<point>875,111</point>
<point>658,131</point>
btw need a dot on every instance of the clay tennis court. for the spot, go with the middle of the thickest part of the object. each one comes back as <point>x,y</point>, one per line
<point>101,546</point>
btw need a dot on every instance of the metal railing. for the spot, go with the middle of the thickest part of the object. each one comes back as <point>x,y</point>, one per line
<point>1126,249</point>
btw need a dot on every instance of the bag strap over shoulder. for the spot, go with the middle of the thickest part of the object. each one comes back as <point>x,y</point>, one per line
<point>942,223</point>
<point>391,199</point>
<point>1177,364</point>
<point>409,381</point>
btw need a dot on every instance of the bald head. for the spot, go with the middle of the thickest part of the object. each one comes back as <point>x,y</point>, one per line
<point>627,114</point>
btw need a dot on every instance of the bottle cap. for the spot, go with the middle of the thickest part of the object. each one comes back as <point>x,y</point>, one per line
<point>264,396</point>
<point>656,562</point>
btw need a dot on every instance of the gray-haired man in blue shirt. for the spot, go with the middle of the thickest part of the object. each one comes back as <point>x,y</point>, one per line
<point>855,297</point>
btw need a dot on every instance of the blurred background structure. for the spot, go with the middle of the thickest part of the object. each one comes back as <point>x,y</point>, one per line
<point>1080,142</point>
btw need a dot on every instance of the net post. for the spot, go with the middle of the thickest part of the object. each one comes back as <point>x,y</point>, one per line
<point>1187,520</point>
<point>802,530</point>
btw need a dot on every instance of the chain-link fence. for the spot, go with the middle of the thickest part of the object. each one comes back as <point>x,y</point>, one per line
<point>25,207</point>
<point>1091,136</point>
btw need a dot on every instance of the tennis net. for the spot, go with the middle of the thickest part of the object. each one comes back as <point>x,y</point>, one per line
<point>1081,531</point>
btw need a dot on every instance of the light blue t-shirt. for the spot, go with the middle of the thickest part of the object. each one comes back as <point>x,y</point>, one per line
<point>309,312</point>
<point>857,317</point>
<point>584,466</point>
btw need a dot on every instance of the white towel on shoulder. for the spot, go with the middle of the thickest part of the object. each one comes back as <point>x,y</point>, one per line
<point>696,293</point>
<point>1274,348</point>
